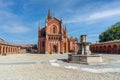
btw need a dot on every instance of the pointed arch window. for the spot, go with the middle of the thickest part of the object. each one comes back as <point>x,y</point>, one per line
<point>54,29</point>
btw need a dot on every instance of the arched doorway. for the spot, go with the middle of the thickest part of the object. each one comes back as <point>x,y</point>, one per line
<point>6,49</point>
<point>64,47</point>
<point>119,48</point>
<point>100,49</point>
<point>0,49</point>
<point>93,49</point>
<point>104,49</point>
<point>97,49</point>
<point>114,48</point>
<point>109,49</point>
<point>3,49</point>
<point>55,49</point>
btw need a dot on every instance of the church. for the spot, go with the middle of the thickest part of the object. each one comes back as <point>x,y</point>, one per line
<point>53,38</point>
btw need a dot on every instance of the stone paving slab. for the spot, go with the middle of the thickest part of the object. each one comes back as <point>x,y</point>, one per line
<point>50,67</point>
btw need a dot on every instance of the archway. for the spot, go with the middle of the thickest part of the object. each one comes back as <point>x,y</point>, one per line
<point>109,49</point>
<point>3,49</point>
<point>54,29</point>
<point>114,48</point>
<point>104,49</point>
<point>97,49</point>
<point>119,48</point>
<point>93,49</point>
<point>100,49</point>
<point>55,49</point>
<point>64,47</point>
<point>0,49</point>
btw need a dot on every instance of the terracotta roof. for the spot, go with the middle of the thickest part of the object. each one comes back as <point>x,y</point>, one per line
<point>43,29</point>
<point>1,40</point>
<point>27,45</point>
<point>108,42</point>
<point>7,43</point>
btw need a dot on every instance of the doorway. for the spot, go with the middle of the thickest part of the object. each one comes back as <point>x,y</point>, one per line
<point>55,49</point>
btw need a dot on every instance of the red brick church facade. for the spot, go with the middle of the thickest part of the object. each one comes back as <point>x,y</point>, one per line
<point>53,38</point>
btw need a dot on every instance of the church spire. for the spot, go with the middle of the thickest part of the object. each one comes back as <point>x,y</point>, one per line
<point>38,25</point>
<point>49,15</point>
<point>38,30</point>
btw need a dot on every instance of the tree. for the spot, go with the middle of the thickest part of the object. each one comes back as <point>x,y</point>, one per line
<point>112,33</point>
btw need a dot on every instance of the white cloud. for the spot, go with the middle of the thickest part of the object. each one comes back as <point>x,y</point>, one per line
<point>89,13</point>
<point>104,14</point>
<point>5,4</point>
<point>92,16</point>
<point>17,29</point>
<point>11,23</point>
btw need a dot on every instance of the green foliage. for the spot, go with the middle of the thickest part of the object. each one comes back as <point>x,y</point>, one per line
<point>112,33</point>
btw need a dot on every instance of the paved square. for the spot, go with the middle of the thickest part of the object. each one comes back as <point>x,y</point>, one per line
<point>51,67</point>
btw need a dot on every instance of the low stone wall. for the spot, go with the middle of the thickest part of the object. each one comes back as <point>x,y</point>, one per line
<point>86,59</point>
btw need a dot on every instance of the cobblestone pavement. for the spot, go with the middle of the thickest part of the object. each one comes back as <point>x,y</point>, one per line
<point>52,67</point>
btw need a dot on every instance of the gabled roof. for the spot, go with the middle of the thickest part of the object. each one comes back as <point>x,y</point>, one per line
<point>7,43</point>
<point>1,40</point>
<point>56,19</point>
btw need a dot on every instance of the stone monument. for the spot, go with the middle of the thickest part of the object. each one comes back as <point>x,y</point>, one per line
<point>83,46</point>
<point>84,54</point>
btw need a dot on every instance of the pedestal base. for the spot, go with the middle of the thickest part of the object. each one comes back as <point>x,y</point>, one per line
<point>85,59</point>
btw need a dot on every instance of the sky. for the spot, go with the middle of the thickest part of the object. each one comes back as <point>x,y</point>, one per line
<point>19,18</point>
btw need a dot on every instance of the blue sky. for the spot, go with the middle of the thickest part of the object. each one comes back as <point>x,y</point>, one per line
<point>19,18</point>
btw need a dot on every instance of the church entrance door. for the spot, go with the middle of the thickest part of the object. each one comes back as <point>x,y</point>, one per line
<point>55,49</point>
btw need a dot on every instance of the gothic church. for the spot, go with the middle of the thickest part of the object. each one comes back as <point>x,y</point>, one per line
<point>53,38</point>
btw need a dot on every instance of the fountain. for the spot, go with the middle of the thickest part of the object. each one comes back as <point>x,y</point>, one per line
<point>84,54</point>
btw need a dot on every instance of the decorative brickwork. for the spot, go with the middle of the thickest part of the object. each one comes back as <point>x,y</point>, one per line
<point>53,38</point>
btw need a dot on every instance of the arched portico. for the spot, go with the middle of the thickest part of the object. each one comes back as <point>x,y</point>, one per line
<point>115,49</point>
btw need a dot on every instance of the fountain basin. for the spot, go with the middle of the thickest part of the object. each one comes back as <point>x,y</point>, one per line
<point>85,59</point>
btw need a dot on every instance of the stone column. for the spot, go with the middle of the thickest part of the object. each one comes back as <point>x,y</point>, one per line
<point>66,45</point>
<point>4,49</point>
<point>1,50</point>
<point>83,38</point>
<point>87,50</point>
<point>61,47</point>
<point>82,49</point>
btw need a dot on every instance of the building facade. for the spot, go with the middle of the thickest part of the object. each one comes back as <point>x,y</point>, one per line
<point>9,48</point>
<point>30,48</point>
<point>106,47</point>
<point>53,38</point>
